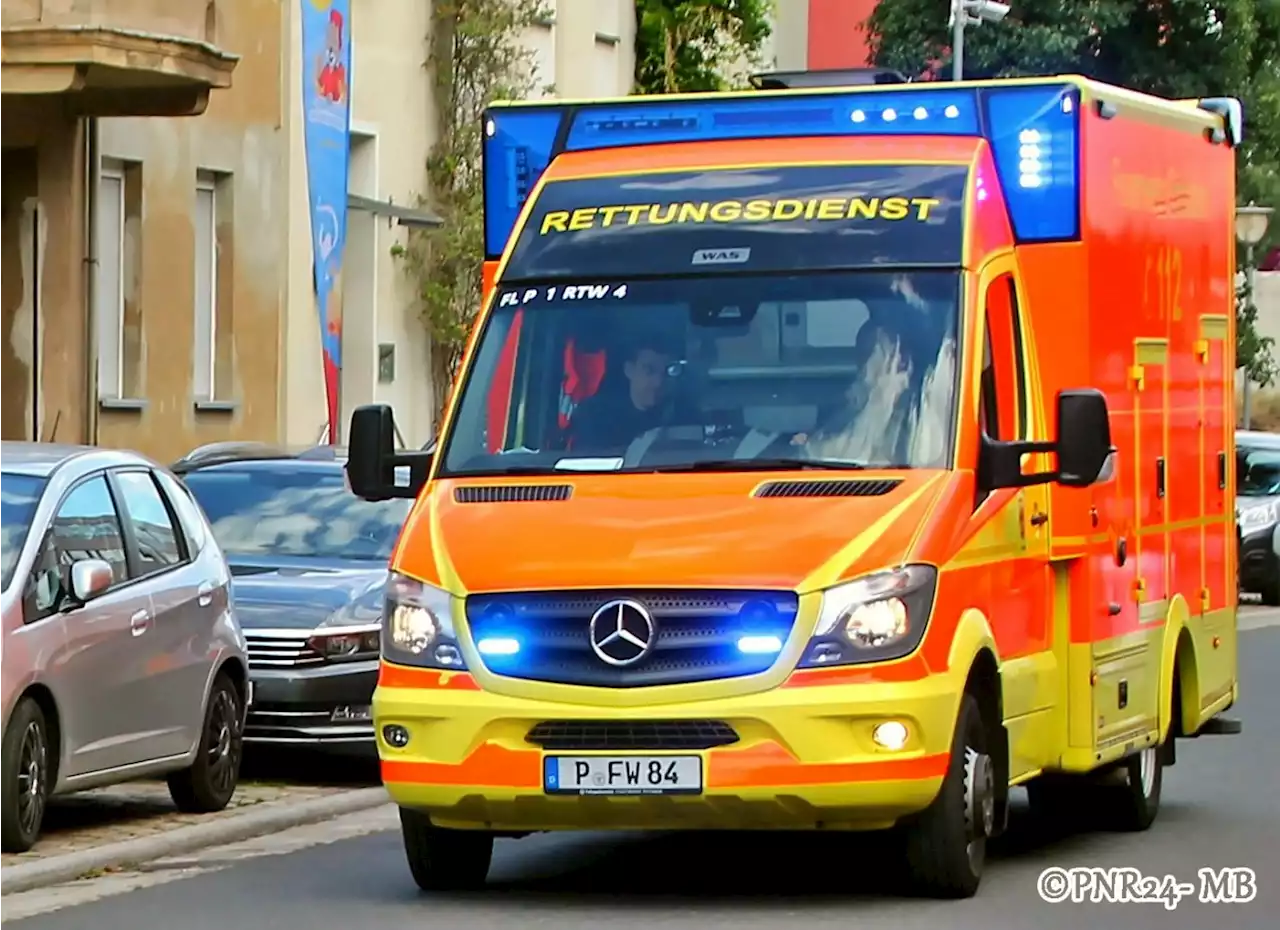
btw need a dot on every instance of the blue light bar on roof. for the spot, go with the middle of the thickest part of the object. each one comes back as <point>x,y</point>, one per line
<point>1032,129</point>
<point>884,113</point>
<point>1035,140</point>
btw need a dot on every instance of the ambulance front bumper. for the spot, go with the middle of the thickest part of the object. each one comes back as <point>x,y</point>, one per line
<point>800,757</point>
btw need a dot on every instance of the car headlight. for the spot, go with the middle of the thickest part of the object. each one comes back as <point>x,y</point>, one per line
<point>417,625</point>
<point>873,619</point>
<point>339,643</point>
<point>1258,515</point>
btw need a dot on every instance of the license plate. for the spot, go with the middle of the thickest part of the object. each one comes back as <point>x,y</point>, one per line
<point>623,774</point>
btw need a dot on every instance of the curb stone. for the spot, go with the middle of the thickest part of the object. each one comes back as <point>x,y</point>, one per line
<point>278,815</point>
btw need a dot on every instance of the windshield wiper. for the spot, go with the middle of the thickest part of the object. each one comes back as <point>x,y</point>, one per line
<point>770,464</point>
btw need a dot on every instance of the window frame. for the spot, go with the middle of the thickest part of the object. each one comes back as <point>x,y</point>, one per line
<point>110,378</point>
<point>207,366</point>
<point>991,385</point>
<point>133,552</point>
<point>29,618</point>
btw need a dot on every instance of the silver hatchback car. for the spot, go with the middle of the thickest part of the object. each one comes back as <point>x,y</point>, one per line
<point>122,656</point>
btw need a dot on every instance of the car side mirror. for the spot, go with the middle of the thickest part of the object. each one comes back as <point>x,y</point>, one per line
<point>89,579</point>
<point>1083,448</point>
<point>373,464</point>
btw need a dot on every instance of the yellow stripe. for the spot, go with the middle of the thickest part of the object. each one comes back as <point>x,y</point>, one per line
<point>1213,326</point>
<point>1151,351</point>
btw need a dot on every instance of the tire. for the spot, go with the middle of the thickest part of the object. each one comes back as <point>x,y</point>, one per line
<point>442,859</point>
<point>210,783</point>
<point>946,845</point>
<point>27,775</point>
<point>1058,801</point>
<point>1133,804</point>
<point>1269,591</point>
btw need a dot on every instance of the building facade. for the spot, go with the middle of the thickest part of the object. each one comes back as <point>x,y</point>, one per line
<point>70,71</point>
<point>816,35</point>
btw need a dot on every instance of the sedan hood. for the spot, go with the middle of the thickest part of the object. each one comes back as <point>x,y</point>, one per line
<point>303,597</point>
<point>700,530</point>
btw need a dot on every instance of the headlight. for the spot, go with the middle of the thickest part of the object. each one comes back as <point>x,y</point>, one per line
<point>339,643</point>
<point>879,617</point>
<point>1258,515</point>
<point>417,626</point>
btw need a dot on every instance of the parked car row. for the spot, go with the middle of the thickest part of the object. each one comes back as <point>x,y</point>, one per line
<point>1258,513</point>
<point>157,619</point>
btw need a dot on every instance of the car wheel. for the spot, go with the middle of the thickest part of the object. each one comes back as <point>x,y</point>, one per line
<point>1269,591</point>
<point>210,782</point>
<point>1135,802</point>
<point>442,859</point>
<point>946,845</point>
<point>27,775</point>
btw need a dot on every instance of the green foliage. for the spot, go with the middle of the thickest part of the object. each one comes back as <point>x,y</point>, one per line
<point>685,46</point>
<point>477,56</point>
<point>1173,48</point>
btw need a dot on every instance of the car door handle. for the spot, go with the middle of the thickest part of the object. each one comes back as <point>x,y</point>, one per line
<point>139,622</point>
<point>204,594</point>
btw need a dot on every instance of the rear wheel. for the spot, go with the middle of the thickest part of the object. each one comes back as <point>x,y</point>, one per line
<point>445,860</point>
<point>1134,803</point>
<point>27,775</point>
<point>209,784</point>
<point>946,845</point>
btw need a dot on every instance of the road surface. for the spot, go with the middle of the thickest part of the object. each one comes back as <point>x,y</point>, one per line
<point>1221,808</point>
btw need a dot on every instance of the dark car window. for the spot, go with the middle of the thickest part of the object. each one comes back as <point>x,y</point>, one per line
<point>86,526</point>
<point>187,510</point>
<point>300,512</point>
<point>151,521</point>
<point>1259,474</point>
<point>19,497</point>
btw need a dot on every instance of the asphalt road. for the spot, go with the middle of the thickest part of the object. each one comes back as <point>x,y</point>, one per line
<point>1221,808</point>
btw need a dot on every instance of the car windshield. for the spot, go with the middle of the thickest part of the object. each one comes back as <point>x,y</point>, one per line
<point>19,496</point>
<point>295,512</point>
<point>718,372</point>
<point>1260,474</point>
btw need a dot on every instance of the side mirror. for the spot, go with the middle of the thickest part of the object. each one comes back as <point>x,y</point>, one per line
<point>1083,448</point>
<point>372,459</point>
<point>89,578</point>
<point>1084,438</point>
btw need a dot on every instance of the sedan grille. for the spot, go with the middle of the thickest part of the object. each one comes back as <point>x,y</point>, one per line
<point>629,735</point>
<point>280,650</point>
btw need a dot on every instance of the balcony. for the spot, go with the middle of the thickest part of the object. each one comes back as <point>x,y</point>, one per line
<point>116,57</point>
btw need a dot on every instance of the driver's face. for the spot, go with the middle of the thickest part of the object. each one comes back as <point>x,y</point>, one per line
<point>647,373</point>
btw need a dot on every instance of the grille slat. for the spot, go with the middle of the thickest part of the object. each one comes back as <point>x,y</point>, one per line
<point>502,494</point>
<point>696,639</point>
<point>631,735</point>
<point>280,651</point>
<point>840,487</point>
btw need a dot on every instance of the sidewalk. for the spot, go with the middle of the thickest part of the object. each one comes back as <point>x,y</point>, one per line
<point>108,828</point>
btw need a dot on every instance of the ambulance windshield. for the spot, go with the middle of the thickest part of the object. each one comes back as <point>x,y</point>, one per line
<point>845,369</point>
<point>723,319</point>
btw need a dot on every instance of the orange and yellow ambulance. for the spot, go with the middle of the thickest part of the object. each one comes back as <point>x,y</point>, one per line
<point>829,459</point>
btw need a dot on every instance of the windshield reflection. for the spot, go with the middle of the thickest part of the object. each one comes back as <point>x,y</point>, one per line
<point>300,513</point>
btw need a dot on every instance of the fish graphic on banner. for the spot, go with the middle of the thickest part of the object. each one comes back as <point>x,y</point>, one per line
<point>326,101</point>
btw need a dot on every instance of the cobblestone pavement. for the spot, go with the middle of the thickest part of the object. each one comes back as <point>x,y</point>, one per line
<point>143,808</point>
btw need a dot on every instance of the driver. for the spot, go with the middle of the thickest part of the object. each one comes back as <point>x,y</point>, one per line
<point>624,410</point>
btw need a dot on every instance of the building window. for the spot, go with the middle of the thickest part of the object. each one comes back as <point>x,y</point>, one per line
<point>541,42</point>
<point>108,296</point>
<point>204,380</point>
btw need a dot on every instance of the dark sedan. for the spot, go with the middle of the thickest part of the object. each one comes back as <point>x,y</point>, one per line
<point>308,560</point>
<point>1258,512</point>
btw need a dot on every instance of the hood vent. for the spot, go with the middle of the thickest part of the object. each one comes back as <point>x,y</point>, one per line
<point>843,487</point>
<point>506,493</point>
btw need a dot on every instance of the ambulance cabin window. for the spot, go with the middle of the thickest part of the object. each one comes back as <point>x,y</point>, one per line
<point>1003,408</point>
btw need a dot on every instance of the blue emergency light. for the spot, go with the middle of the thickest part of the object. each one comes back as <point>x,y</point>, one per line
<point>1033,130</point>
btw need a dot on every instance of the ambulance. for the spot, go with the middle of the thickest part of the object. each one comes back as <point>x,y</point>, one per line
<point>832,459</point>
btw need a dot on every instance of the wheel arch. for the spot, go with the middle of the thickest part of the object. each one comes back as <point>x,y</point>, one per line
<point>48,704</point>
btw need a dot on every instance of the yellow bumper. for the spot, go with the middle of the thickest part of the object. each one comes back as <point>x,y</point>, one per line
<point>805,757</point>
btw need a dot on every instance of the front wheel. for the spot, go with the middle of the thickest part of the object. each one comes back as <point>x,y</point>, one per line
<point>26,776</point>
<point>442,859</point>
<point>947,843</point>
<point>210,782</point>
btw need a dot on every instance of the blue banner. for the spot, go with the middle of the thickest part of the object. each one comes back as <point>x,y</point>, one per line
<point>326,101</point>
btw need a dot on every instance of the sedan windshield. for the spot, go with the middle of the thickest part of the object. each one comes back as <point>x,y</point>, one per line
<point>19,496</point>
<point>1260,474</point>
<point>295,512</point>
<point>851,369</point>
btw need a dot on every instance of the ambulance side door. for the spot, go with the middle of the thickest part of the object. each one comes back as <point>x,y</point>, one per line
<point>1021,617</point>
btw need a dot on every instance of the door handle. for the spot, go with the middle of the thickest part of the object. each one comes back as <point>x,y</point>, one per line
<point>1039,518</point>
<point>139,622</point>
<point>204,594</point>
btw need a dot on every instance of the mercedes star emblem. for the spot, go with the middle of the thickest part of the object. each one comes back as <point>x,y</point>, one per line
<point>622,632</point>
